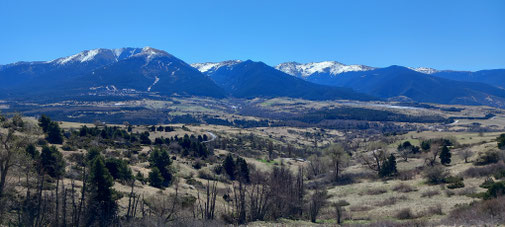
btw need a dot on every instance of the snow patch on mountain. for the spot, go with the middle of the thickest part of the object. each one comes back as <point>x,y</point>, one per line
<point>209,67</point>
<point>156,79</point>
<point>424,70</point>
<point>114,54</point>
<point>150,53</point>
<point>330,67</point>
<point>84,56</point>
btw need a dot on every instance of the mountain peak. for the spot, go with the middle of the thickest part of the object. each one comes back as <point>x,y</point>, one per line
<point>150,52</point>
<point>84,56</point>
<point>213,66</point>
<point>329,67</point>
<point>424,70</point>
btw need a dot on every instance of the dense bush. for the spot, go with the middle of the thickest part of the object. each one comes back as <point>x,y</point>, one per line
<point>486,213</point>
<point>435,175</point>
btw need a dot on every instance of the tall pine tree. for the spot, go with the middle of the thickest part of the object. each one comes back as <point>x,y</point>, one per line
<point>445,156</point>
<point>102,206</point>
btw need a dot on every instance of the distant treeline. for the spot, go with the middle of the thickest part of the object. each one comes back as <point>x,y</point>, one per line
<point>362,114</point>
<point>488,116</point>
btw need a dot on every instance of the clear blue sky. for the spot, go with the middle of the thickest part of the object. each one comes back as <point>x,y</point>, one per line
<point>443,34</point>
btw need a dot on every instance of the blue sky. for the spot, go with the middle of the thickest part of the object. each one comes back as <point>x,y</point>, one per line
<point>462,35</point>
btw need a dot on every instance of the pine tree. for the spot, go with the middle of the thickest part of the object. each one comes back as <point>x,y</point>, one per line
<point>44,122</point>
<point>388,167</point>
<point>501,141</point>
<point>54,134</point>
<point>144,138</point>
<point>102,206</point>
<point>445,156</point>
<point>155,178</point>
<point>32,151</point>
<point>392,165</point>
<point>229,167</point>
<point>161,160</point>
<point>242,170</point>
<point>52,162</point>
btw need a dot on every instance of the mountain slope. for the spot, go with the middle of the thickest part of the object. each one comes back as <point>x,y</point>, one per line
<point>153,71</point>
<point>495,77</point>
<point>396,81</point>
<point>26,74</point>
<point>137,70</point>
<point>255,79</point>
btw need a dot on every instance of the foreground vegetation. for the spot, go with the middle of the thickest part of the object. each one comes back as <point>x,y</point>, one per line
<point>64,174</point>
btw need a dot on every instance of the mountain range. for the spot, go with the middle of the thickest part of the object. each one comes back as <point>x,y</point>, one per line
<point>148,71</point>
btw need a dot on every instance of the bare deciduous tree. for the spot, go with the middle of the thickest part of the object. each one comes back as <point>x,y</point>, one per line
<point>466,154</point>
<point>339,158</point>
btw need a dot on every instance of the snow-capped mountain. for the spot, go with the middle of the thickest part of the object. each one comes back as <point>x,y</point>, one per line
<point>424,70</point>
<point>112,55</point>
<point>142,69</point>
<point>326,67</point>
<point>210,67</point>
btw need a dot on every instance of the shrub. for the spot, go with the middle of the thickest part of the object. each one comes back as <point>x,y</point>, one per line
<point>490,212</point>
<point>488,182</point>
<point>358,208</point>
<point>391,200</point>
<point>374,191</point>
<point>454,182</point>
<point>68,147</point>
<point>487,158</point>
<point>495,190</point>
<point>449,193</point>
<point>435,210</point>
<point>430,193</point>
<point>484,171</point>
<point>468,191</point>
<point>403,188</point>
<point>404,213</point>
<point>435,175</point>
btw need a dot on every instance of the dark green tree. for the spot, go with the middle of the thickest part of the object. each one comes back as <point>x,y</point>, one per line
<point>230,167</point>
<point>426,145</point>
<point>144,138</point>
<point>155,178</point>
<point>162,161</point>
<point>54,134</point>
<point>501,141</point>
<point>102,206</point>
<point>119,169</point>
<point>32,151</point>
<point>242,170</point>
<point>495,190</point>
<point>44,122</point>
<point>52,162</point>
<point>445,156</point>
<point>388,167</point>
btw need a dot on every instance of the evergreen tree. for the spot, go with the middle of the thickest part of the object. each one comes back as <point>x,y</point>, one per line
<point>144,138</point>
<point>426,145</point>
<point>388,167</point>
<point>52,162</point>
<point>83,132</point>
<point>161,160</point>
<point>102,206</point>
<point>229,167</point>
<point>242,170</point>
<point>32,151</point>
<point>155,178</point>
<point>54,134</point>
<point>118,169</point>
<point>501,141</point>
<point>44,122</point>
<point>445,156</point>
